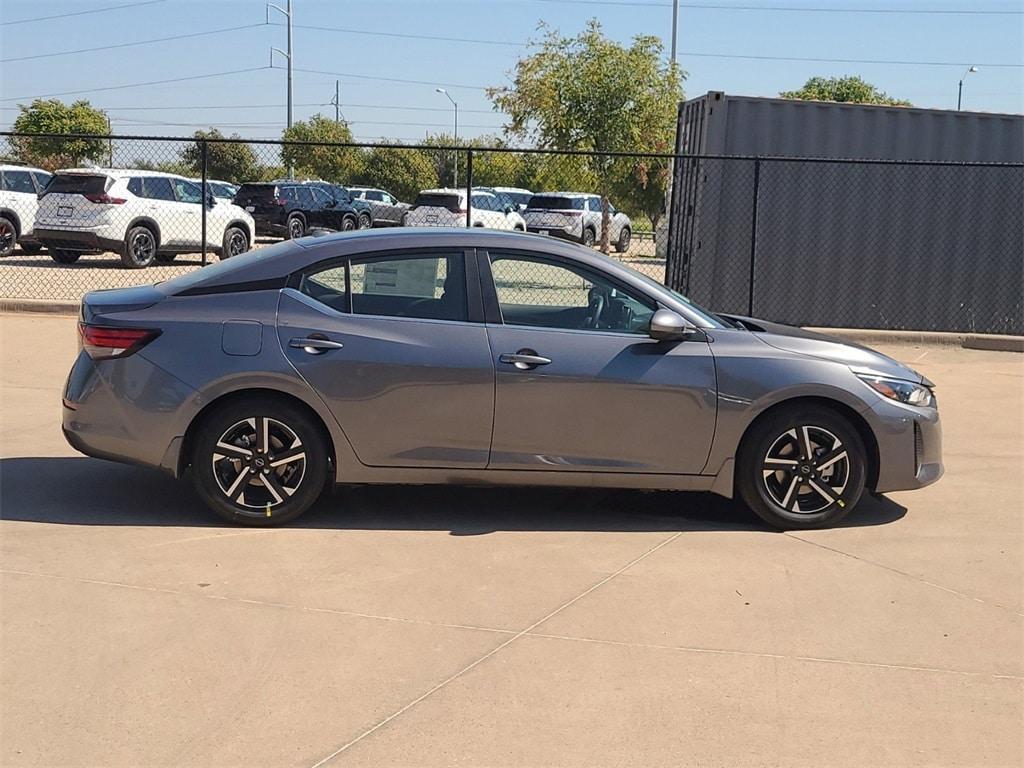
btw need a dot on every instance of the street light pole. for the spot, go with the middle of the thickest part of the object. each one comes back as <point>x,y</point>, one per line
<point>675,24</point>
<point>455,179</point>
<point>960,88</point>
<point>288,55</point>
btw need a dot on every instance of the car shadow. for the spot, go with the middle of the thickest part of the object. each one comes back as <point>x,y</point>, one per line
<point>84,491</point>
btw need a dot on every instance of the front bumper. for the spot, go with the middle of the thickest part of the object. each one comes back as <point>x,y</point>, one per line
<point>79,240</point>
<point>909,445</point>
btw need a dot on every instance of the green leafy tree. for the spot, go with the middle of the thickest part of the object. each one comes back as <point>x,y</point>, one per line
<point>54,116</point>
<point>590,93</point>
<point>850,89</point>
<point>402,172</point>
<point>227,161</point>
<point>327,162</point>
<point>171,166</point>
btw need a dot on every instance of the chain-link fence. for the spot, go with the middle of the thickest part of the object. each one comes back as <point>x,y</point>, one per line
<point>927,246</point>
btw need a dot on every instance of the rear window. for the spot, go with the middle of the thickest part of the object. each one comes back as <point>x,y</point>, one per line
<point>77,184</point>
<point>555,203</point>
<point>256,192</point>
<point>438,200</point>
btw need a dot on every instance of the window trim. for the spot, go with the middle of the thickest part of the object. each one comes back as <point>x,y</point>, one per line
<point>474,307</point>
<point>492,306</point>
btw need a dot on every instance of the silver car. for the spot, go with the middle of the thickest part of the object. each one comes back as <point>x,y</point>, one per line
<point>474,356</point>
<point>578,217</point>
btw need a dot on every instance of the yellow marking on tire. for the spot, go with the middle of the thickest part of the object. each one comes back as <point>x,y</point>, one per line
<point>268,510</point>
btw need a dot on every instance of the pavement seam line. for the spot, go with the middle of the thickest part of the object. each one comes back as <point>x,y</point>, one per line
<point>261,603</point>
<point>778,656</point>
<point>492,652</point>
<point>911,576</point>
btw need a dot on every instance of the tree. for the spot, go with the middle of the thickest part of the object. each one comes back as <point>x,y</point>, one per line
<point>590,93</point>
<point>402,172</point>
<point>227,161</point>
<point>850,89</point>
<point>330,163</point>
<point>54,116</point>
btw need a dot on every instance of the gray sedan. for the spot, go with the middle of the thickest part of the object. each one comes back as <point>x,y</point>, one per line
<point>468,356</point>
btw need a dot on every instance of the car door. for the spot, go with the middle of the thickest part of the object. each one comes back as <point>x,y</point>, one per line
<point>161,204</point>
<point>580,386</point>
<point>189,212</point>
<point>399,355</point>
<point>19,194</point>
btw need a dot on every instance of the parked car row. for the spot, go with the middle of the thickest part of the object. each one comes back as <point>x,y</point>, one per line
<point>148,216</point>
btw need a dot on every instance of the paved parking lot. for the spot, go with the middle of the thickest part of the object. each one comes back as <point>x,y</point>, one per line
<point>431,627</point>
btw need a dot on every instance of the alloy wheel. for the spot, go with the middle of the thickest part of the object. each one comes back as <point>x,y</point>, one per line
<point>259,463</point>
<point>7,237</point>
<point>296,228</point>
<point>143,247</point>
<point>237,244</point>
<point>806,469</point>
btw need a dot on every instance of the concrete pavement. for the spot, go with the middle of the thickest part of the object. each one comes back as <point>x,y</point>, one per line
<point>443,626</point>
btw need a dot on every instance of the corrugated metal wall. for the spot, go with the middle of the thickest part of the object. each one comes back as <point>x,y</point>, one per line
<point>875,245</point>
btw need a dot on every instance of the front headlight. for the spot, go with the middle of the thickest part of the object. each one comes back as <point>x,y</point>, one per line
<point>897,389</point>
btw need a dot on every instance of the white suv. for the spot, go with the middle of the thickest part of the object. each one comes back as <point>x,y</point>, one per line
<point>576,216</point>
<point>447,208</point>
<point>143,216</point>
<point>20,187</point>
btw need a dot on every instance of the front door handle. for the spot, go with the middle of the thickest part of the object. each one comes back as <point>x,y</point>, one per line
<point>524,359</point>
<point>315,346</point>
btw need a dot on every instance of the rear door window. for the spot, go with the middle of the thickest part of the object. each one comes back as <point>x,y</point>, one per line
<point>18,181</point>
<point>157,188</point>
<point>305,197</point>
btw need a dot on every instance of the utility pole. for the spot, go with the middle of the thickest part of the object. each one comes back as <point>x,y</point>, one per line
<point>455,179</point>
<point>287,55</point>
<point>675,25</point>
<point>960,89</point>
<point>337,101</point>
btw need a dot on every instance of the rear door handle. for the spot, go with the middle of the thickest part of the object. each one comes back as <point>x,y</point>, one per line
<point>524,359</point>
<point>314,346</point>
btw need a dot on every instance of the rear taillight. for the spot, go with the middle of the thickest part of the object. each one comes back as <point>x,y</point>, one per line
<point>105,199</point>
<point>103,343</point>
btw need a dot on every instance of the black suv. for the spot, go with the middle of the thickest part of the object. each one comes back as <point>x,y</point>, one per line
<point>343,197</point>
<point>289,209</point>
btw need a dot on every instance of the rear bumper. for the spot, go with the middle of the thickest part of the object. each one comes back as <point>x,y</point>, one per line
<point>561,234</point>
<point>81,240</point>
<point>909,446</point>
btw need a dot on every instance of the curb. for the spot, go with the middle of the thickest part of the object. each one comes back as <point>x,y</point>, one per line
<point>44,306</point>
<point>988,342</point>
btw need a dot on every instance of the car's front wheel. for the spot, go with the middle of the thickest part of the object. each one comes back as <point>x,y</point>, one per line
<point>8,237</point>
<point>236,242</point>
<point>259,461</point>
<point>802,467</point>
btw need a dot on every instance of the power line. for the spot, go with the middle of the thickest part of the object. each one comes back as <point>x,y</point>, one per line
<point>135,85</point>
<point>393,79</point>
<point>278,106</point>
<point>409,36</point>
<point>791,9</point>
<point>414,123</point>
<point>846,61</point>
<point>79,13</point>
<point>130,45</point>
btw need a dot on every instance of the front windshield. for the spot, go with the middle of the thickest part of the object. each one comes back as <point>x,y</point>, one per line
<point>710,318</point>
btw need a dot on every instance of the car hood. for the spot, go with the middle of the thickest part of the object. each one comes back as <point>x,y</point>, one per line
<point>803,342</point>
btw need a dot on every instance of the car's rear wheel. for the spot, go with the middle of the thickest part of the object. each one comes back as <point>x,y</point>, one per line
<point>296,227</point>
<point>32,248</point>
<point>589,237</point>
<point>62,256</point>
<point>802,467</point>
<point>625,236</point>
<point>139,248</point>
<point>364,221</point>
<point>8,236</point>
<point>236,242</point>
<point>348,224</point>
<point>259,461</point>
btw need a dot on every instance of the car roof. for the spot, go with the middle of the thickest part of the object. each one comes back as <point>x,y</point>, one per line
<point>119,173</point>
<point>514,189</point>
<point>443,191</point>
<point>16,167</point>
<point>566,194</point>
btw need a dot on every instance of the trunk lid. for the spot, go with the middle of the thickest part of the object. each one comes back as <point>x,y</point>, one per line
<point>113,300</point>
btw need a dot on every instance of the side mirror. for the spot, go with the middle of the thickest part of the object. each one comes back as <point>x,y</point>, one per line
<point>510,209</point>
<point>667,325</point>
<point>210,199</point>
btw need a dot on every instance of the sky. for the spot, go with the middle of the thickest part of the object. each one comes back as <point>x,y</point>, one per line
<point>375,47</point>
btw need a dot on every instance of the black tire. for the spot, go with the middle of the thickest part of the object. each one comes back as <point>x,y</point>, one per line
<point>8,236</point>
<point>165,258</point>
<point>235,243</point>
<point>139,248</point>
<point>796,494</point>
<point>31,248</point>
<point>64,257</point>
<point>296,226</point>
<point>298,483</point>
<point>365,222</point>
<point>622,244</point>
<point>589,237</point>
<point>348,223</point>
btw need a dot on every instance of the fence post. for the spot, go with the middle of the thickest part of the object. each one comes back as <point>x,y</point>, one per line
<point>469,185</point>
<point>753,236</point>
<point>203,155</point>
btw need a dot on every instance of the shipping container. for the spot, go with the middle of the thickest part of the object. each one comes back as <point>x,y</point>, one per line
<point>847,215</point>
